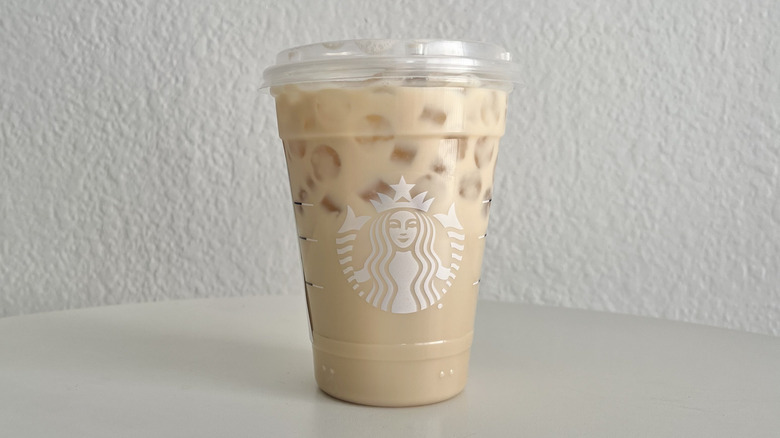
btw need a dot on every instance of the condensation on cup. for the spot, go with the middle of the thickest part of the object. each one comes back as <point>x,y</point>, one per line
<point>391,147</point>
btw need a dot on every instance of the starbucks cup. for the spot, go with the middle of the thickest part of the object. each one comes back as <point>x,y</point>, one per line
<point>391,147</point>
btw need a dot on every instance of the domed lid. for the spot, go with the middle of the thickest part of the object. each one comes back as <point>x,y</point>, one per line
<point>356,60</point>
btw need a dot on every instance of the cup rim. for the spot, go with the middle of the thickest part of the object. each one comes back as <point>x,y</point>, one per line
<point>452,61</point>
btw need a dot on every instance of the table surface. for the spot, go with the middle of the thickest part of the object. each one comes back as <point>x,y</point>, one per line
<point>240,367</point>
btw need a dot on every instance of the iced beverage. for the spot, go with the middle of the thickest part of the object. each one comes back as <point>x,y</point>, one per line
<point>391,178</point>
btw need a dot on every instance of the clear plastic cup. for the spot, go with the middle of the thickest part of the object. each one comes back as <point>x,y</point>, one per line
<point>391,147</point>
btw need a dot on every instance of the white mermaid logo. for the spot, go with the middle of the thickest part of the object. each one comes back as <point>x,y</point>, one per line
<point>403,272</point>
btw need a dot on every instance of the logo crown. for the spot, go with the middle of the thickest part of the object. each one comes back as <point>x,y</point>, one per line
<point>402,199</point>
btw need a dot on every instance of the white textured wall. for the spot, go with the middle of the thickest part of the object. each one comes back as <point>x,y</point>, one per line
<point>639,173</point>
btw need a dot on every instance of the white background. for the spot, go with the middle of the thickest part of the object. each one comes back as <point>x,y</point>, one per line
<point>639,173</point>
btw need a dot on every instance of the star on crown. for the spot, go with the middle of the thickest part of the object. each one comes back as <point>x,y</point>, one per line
<point>402,198</point>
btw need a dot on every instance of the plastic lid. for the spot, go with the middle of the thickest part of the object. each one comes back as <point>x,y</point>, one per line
<point>356,60</point>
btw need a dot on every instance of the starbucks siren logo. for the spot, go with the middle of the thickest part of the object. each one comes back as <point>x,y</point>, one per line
<point>403,273</point>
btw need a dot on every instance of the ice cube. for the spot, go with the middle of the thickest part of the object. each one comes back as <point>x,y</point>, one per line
<point>433,115</point>
<point>447,156</point>
<point>372,192</point>
<point>295,148</point>
<point>470,186</point>
<point>461,143</point>
<point>332,106</point>
<point>329,205</point>
<point>326,162</point>
<point>433,185</point>
<point>491,113</point>
<point>483,151</point>
<point>378,125</point>
<point>404,154</point>
<point>439,167</point>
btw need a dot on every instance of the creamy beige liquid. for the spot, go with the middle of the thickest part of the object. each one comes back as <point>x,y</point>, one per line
<point>392,187</point>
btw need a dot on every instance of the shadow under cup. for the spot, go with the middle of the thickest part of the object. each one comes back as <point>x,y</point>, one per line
<point>391,183</point>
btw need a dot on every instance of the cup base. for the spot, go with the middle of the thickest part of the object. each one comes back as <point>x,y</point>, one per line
<point>391,383</point>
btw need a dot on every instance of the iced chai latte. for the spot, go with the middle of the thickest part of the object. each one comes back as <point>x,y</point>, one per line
<point>391,175</point>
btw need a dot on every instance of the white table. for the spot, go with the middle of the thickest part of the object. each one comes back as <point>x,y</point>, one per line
<point>241,367</point>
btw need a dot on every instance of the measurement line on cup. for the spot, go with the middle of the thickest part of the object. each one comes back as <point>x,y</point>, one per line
<point>487,201</point>
<point>308,239</point>
<point>303,204</point>
<point>476,282</point>
<point>483,236</point>
<point>309,283</point>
